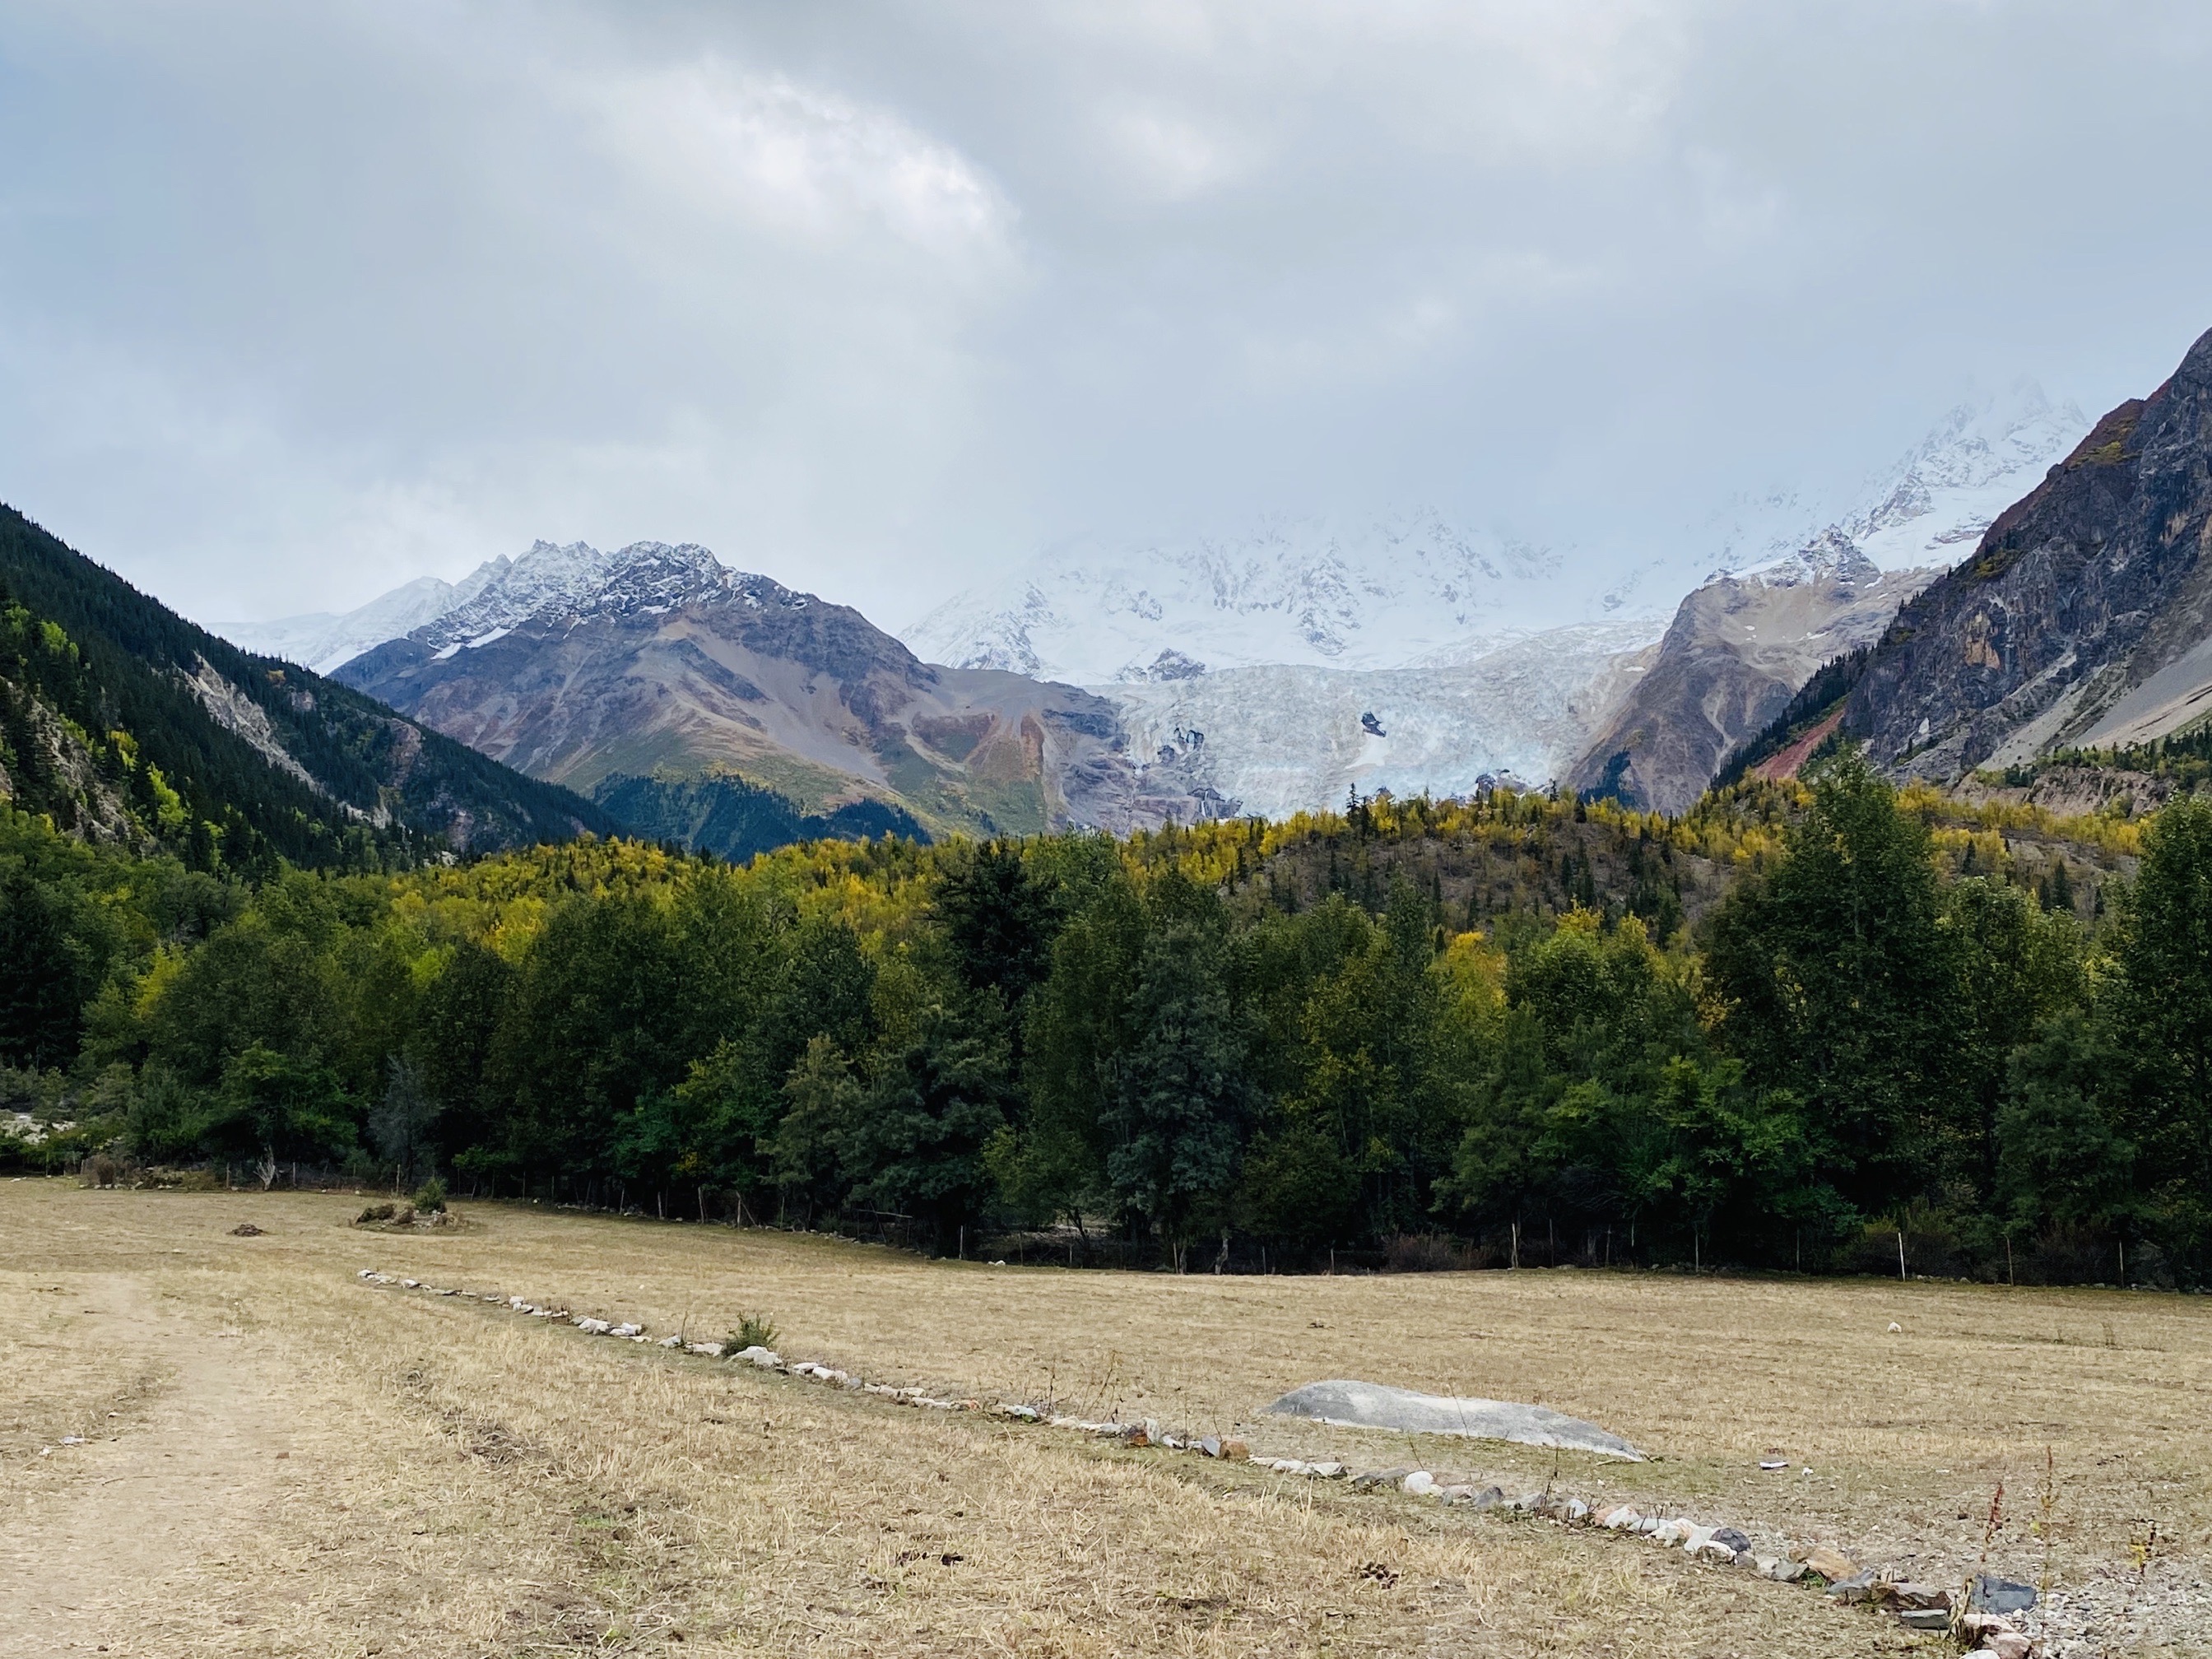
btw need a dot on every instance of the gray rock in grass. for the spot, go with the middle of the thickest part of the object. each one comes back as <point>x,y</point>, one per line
<point>1991,1594</point>
<point>1348,1404</point>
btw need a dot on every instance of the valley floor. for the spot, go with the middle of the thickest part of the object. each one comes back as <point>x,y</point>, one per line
<point>217,1443</point>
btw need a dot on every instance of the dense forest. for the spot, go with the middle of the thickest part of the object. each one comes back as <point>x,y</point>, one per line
<point>1803,1027</point>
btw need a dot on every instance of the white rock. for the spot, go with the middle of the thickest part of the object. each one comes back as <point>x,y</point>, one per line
<point>627,1329</point>
<point>767,1358</point>
<point>1622,1518</point>
<point>1420,1484</point>
<point>712,1350</point>
<point>594,1326</point>
<point>671,1341</point>
<point>1329,1471</point>
<point>1577,1509</point>
<point>367,1273</point>
<point>413,1284</point>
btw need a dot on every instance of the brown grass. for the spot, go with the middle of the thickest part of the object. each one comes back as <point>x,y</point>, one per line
<point>456,1480</point>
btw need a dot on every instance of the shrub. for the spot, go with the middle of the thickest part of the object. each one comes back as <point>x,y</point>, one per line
<point>430,1196</point>
<point>373,1212</point>
<point>753,1331</point>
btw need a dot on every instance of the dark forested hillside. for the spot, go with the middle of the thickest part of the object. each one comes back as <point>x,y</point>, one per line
<point>125,723</point>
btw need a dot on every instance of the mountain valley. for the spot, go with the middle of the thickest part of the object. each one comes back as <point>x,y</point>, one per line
<point>1125,688</point>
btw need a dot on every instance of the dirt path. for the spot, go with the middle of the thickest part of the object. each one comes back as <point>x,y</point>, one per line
<point>102,1529</point>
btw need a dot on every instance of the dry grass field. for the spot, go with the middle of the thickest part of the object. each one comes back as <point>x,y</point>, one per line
<point>224,1445</point>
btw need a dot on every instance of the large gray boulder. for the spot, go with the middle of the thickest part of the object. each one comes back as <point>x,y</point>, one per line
<point>1372,1406</point>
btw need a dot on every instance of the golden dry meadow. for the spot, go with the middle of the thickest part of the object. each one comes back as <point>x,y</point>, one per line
<point>228,1444</point>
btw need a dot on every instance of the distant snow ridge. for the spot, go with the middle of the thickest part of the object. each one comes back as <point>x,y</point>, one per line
<point>1924,511</point>
<point>576,580</point>
<point>580,580</point>
<point>1295,591</point>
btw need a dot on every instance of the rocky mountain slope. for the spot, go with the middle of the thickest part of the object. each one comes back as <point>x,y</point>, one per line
<point>1737,648</point>
<point>125,723</point>
<point>1741,644</point>
<point>582,667</point>
<point>2084,617</point>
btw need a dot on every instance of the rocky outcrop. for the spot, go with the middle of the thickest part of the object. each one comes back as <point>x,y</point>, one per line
<point>1739,648</point>
<point>2084,617</point>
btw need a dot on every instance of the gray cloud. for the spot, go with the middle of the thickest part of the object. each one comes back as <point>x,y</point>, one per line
<point>297,302</point>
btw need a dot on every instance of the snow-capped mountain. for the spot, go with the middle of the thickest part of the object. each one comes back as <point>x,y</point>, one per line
<point>1278,668</point>
<point>1926,508</point>
<point>659,663</point>
<point>322,640</point>
<point>1295,591</point>
<point>577,579</point>
<point>1743,642</point>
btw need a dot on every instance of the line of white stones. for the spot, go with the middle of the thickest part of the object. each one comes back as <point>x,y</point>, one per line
<point>1914,1604</point>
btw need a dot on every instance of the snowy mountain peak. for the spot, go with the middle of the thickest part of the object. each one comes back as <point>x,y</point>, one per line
<point>576,580</point>
<point>579,580</point>
<point>1293,590</point>
<point>1924,511</point>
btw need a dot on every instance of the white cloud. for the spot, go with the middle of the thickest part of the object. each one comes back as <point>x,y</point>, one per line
<point>794,161</point>
<point>297,302</point>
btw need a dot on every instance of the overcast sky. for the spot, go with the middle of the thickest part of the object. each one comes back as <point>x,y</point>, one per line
<point>298,302</point>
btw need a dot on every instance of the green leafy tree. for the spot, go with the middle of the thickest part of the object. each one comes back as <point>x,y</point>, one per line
<point>1837,985</point>
<point>2013,968</point>
<point>279,1107</point>
<point>917,1147</point>
<point>49,969</point>
<point>2061,1156</point>
<point>2160,1021</point>
<point>822,1133</point>
<point>1051,1162</point>
<point>1179,1101</point>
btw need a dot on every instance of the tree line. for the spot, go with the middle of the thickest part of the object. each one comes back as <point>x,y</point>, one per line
<point>1164,1043</point>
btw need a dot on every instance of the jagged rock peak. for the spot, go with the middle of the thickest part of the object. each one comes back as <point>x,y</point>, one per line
<point>578,581</point>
